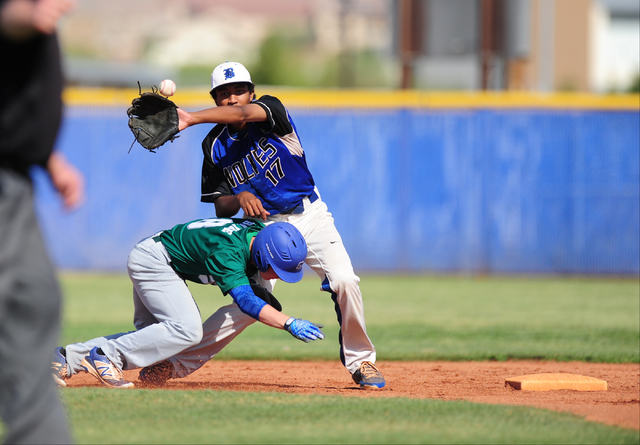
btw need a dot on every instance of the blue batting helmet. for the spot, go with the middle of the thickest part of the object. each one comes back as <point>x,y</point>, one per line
<point>281,246</point>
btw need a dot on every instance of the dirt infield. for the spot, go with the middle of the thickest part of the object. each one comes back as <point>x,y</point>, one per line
<point>481,382</point>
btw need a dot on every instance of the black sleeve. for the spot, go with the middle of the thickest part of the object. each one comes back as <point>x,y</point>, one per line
<point>277,117</point>
<point>214,184</point>
<point>31,91</point>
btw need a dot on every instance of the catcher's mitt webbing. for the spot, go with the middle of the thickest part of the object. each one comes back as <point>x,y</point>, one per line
<point>153,120</point>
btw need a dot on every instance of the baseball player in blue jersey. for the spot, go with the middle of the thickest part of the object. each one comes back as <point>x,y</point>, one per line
<point>225,252</point>
<point>254,161</point>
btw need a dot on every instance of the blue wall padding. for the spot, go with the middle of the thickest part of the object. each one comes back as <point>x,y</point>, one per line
<point>411,190</point>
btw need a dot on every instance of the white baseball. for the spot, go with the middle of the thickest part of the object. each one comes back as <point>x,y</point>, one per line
<point>167,87</point>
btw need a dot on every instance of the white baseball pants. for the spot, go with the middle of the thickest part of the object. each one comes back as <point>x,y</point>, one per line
<point>329,259</point>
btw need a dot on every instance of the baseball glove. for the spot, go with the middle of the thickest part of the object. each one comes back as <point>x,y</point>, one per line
<point>153,120</point>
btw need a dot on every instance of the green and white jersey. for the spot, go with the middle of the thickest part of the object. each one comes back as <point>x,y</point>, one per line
<point>213,250</point>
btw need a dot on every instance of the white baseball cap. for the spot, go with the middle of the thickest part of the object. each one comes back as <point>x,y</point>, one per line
<point>229,72</point>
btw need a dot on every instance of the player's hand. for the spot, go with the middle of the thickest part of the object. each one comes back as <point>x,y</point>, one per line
<point>22,19</point>
<point>185,119</point>
<point>47,14</point>
<point>67,179</point>
<point>303,329</point>
<point>252,206</point>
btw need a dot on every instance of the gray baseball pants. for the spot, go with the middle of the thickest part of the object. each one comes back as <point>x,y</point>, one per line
<point>30,307</point>
<point>166,317</point>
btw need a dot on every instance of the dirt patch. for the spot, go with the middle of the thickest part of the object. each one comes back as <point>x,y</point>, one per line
<point>472,381</point>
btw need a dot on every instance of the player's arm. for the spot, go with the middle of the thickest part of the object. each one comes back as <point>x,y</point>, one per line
<point>273,318</point>
<point>228,206</point>
<point>22,19</point>
<point>222,115</point>
<point>216,189</point>
<point>67,179</point>
<point>255,307</point>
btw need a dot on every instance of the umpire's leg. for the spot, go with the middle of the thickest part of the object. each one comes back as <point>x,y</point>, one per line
<point>29,322</point>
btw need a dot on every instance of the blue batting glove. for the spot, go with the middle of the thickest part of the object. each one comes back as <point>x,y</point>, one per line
<point>303,329</point>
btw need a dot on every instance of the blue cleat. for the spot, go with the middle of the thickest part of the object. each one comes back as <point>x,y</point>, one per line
<point>98,365</point>
<point>368,376</point>
<point>59,366</point>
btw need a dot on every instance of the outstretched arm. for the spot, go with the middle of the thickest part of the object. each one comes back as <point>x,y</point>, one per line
<point>222,115</point>
<point>301,329</point>
<point>255,307</point>
<point>273,318</point>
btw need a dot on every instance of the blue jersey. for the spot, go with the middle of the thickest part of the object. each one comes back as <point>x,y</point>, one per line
<point>265,158</point>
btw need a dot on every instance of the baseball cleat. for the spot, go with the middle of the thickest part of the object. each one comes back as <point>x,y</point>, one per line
<point>59,366</point>
<point>368,376</point>
<point>98,365</point>
<point>157,374</point>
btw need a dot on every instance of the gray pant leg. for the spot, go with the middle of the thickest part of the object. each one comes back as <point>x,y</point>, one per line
<point>142,318</point>
<point>160,295</point>
<point>218,331</point>
<point>30,306</point>
<point>77,351</point>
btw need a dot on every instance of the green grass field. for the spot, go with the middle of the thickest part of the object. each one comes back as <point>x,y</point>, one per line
<point>412,318</point>
<point>408,318</point>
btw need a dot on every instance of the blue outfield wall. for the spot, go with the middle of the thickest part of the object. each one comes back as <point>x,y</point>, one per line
<point>488,190</point>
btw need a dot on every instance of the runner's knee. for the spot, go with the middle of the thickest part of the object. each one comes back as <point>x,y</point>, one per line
<point>189,333</point>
